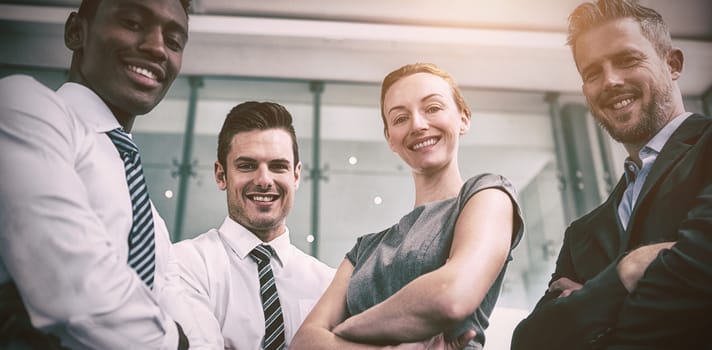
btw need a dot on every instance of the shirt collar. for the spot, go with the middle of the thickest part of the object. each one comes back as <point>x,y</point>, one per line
<point>242,241</point>
<point>654,146</point>
<point>89,107</point>
<point>660,139</point>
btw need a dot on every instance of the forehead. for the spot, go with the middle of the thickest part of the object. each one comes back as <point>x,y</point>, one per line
<point>416,87</point>
<point>262,145</point>
<point>610,38</point>
<point>167,11</point>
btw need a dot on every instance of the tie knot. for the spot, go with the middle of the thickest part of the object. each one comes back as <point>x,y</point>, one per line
<point>122,141</point>
<point>631,171</point>
<point>261,253</point>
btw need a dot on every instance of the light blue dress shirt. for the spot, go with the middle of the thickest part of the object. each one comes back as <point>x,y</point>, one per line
<point>635,176</point>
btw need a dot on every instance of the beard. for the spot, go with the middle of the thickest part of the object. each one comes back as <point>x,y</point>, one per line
<point>653,118</point>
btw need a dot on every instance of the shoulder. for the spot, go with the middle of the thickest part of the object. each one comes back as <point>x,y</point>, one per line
<point>40,115</point>
<point>312,265</point>
<point>28,94</point>
<point>485,181</point>
<point>371,239</point>
<point>202,248</point>
<point>23,83</point>
<point>365,245</point>
<point>481,182</point>
<point>583,226</point>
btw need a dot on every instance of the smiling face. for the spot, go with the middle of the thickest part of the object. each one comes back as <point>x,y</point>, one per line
<point>130,52</point>
<point>423,122</point>
<point>260,180</point>
<point>629,87</point>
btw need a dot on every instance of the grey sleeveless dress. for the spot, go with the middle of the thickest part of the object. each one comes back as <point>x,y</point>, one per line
<point>420,242</point>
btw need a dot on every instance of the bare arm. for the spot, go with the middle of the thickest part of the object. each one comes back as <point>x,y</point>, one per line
<point>316,330</point>
<point>441,299</point>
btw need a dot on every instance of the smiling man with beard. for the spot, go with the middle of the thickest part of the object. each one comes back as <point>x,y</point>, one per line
<point>86,262</point>
<point>636,272</point>
<point>255,286</point>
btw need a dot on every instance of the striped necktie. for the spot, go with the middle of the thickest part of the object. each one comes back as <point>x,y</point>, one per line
<point>274,323</point>
<point>141,239</point>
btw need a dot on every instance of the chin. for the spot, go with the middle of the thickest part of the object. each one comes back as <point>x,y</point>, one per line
<point>140,107</point>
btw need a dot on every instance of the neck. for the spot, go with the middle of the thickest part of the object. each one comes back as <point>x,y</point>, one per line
<point>634,151</point>
<point>430,187</point>
<point>676,108</point>
<point>268,235</point>
<point>125,119</point>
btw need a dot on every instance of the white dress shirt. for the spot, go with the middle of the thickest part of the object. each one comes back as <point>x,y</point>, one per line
<point>217,268</point>
<point>65,219</point>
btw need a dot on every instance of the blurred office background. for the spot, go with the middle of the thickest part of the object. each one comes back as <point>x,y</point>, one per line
<point>324,61</point>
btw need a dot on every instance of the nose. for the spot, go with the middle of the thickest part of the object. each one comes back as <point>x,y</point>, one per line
<point>418,122</point>
<point>263,177</point>
<point>611,77</point>
<point>152,42</point>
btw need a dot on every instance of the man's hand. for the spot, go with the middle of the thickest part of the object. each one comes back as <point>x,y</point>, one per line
<point>565,286</point>
<point>438,343</point>
<point>632,267</point>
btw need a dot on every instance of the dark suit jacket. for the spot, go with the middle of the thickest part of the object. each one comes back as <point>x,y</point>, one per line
<point>671,308</point>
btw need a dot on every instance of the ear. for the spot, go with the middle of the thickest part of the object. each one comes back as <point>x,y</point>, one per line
<point>75,30</point>
<point>220,176</point>
<point>464,124</point>
<point>675,62</point>
<point>297,175</point>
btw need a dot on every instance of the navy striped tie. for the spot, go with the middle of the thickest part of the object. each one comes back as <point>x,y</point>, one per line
<point>141,239</point>
<point>274,323</point>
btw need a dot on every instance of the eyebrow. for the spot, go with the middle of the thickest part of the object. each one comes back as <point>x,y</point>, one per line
<point>172,25</point>
<point>421,100</point>
<point>619,54</point>
<point>253,160</point>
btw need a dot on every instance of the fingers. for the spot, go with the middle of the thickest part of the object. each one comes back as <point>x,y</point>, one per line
<point>565,293</point>
<point>462,341</point>
<point>563,284</point>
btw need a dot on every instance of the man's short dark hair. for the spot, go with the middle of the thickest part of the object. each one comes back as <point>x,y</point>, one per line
<point>252,115</point>
<point>87,9</point>
<point>589,15</point>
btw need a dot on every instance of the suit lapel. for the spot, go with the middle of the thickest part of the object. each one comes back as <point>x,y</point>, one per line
<point>675,148</point>
<point>614,202</point>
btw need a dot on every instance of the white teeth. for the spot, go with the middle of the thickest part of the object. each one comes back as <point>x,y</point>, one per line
<point>427,142</point>
<point>143,71</point>
<point>263,198</point>
<point>623,103</point>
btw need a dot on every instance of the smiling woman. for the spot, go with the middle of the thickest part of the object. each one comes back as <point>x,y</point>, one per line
<point>420,265</point>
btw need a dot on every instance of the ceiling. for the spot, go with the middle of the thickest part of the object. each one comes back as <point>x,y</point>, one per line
<point>515,45</point>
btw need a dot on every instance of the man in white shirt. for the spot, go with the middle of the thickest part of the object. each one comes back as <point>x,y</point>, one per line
<point>258,166</point>
<point>77,270</point>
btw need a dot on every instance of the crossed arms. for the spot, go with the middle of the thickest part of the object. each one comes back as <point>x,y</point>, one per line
<point>653,294</point>
<point>427,305</point>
